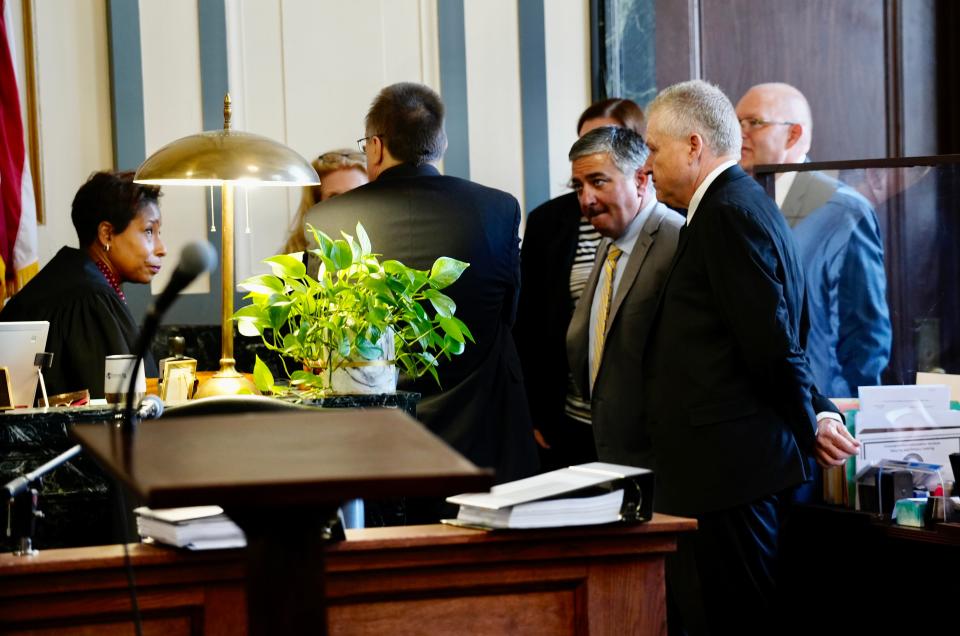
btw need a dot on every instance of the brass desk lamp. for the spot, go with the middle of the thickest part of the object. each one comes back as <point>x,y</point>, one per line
<point>225,158</point>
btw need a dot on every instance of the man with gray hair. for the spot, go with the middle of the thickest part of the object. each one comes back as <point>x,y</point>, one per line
<point>606,335</point>
<point>730,399</point>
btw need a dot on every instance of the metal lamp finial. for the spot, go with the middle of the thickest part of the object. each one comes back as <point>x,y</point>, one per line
<point>227,111</point>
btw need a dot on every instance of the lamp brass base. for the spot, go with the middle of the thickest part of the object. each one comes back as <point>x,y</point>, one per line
<point>227,381</point>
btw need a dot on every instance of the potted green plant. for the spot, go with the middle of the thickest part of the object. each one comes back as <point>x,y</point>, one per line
<point>356,323</point>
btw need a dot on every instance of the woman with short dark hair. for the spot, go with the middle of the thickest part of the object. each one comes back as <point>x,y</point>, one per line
<point>79,291</point>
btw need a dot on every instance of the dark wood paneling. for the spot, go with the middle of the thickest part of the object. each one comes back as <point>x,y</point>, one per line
<point>677,35</point>
<point>405,580</point>
<point>832,51</point>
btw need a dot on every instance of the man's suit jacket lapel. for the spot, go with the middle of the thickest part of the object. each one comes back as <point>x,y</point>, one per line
<point>578,334</point>
<point>685,232</point>
<point>639,253</point>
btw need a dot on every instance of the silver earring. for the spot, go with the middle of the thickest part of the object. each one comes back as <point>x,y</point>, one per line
<point>106,247</point>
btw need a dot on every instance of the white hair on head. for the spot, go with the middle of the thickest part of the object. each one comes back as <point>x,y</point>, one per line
<point>699,107</point>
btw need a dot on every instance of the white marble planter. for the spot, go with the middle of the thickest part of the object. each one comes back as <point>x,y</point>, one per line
<point>368,376</point>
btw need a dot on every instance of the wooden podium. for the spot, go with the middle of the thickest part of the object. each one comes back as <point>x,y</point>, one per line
<point>281,476</point>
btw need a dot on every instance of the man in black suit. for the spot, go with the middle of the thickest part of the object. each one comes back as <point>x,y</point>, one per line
<point>414,214</point>
<point>731,405</point>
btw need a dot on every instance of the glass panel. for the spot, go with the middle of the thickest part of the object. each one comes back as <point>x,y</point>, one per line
<point>879,248</point>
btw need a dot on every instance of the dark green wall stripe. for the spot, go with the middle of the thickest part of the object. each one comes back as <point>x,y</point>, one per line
<point>213,60</point>
<point>123,27</point>
<point>453,86</point>
<point>533,103</point>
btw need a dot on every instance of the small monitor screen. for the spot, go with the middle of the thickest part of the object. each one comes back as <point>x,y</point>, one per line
<point>20,342</point>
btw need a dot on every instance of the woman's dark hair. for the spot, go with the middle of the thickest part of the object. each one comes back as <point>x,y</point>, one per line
<point>111,197</point>
<point>624,111</point>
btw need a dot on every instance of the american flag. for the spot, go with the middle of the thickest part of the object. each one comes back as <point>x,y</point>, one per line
<point>18,211</point>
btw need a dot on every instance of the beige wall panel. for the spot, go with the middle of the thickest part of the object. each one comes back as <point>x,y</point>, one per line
<point>493,95</point>
<point>307,71</point>
<point>567,41</point>
<point>74,94</point>
<point>172,108</point>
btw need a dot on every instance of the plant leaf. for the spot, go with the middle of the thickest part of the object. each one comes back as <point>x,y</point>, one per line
<point>249,311</point>
<point>446,271</point>
<point>464,329</point>
<point>262,284</point>
<point>368,350</point>
<point>442,303</point>
<point>378,286</point>
<point>324,242</point>
<point>262,376</point>
<point>341,254</point>
<point>364,240</point>
<point>277,315</point>
<point>249,327</point>
<point>452,346</point>
<point>394,268</point>
<point>452,329</point>
<point>284,265</point>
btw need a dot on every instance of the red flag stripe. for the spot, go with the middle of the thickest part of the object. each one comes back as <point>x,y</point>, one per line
<point>11,149</point>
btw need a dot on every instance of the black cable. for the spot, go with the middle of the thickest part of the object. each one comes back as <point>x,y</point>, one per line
<point>128,566</point>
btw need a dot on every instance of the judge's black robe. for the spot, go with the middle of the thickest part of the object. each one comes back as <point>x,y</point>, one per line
<point>88,321</point>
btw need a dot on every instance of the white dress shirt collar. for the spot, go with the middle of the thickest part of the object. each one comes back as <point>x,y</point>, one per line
<point>702,189</point>
<point>784,180</point>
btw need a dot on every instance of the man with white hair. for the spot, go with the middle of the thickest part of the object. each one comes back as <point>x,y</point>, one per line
<point>838,236</point>
<point>730,403</point>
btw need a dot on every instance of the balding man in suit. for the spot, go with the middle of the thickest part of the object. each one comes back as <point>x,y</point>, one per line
<point>838,236</point>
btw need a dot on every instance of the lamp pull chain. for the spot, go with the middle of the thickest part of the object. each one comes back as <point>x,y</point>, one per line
<point>213,225</point>
<point>246,208</point>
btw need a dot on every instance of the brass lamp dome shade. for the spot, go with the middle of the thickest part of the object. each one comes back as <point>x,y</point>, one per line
<point>218,156</point>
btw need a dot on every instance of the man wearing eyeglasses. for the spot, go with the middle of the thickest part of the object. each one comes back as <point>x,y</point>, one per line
<point>414,214</point>
<point>839,242</point>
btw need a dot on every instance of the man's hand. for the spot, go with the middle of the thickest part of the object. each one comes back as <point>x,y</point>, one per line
<point>834,443</point>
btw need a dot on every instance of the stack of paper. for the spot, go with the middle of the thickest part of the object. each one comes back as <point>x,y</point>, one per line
<point>195,528</point>
<point>575,496</point>
<point>908,423</point>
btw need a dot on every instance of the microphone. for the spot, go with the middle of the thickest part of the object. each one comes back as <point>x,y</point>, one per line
<point>151,407</point>
<point>196,258</point>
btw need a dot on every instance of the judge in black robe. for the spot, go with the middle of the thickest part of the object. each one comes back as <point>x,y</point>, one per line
<point>79,291</point>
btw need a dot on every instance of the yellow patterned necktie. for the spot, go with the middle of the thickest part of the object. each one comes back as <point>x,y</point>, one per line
<point>600,329</point>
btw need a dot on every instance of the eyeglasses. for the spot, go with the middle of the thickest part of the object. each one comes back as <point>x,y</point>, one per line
<point>362,142</point>
<point>332,157</point>
<point>752,123</point>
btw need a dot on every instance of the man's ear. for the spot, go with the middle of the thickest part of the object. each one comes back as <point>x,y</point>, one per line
<point>695,147</point>
<point>377,150</point>
<point>794,134</point>
<point>641,179</point>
